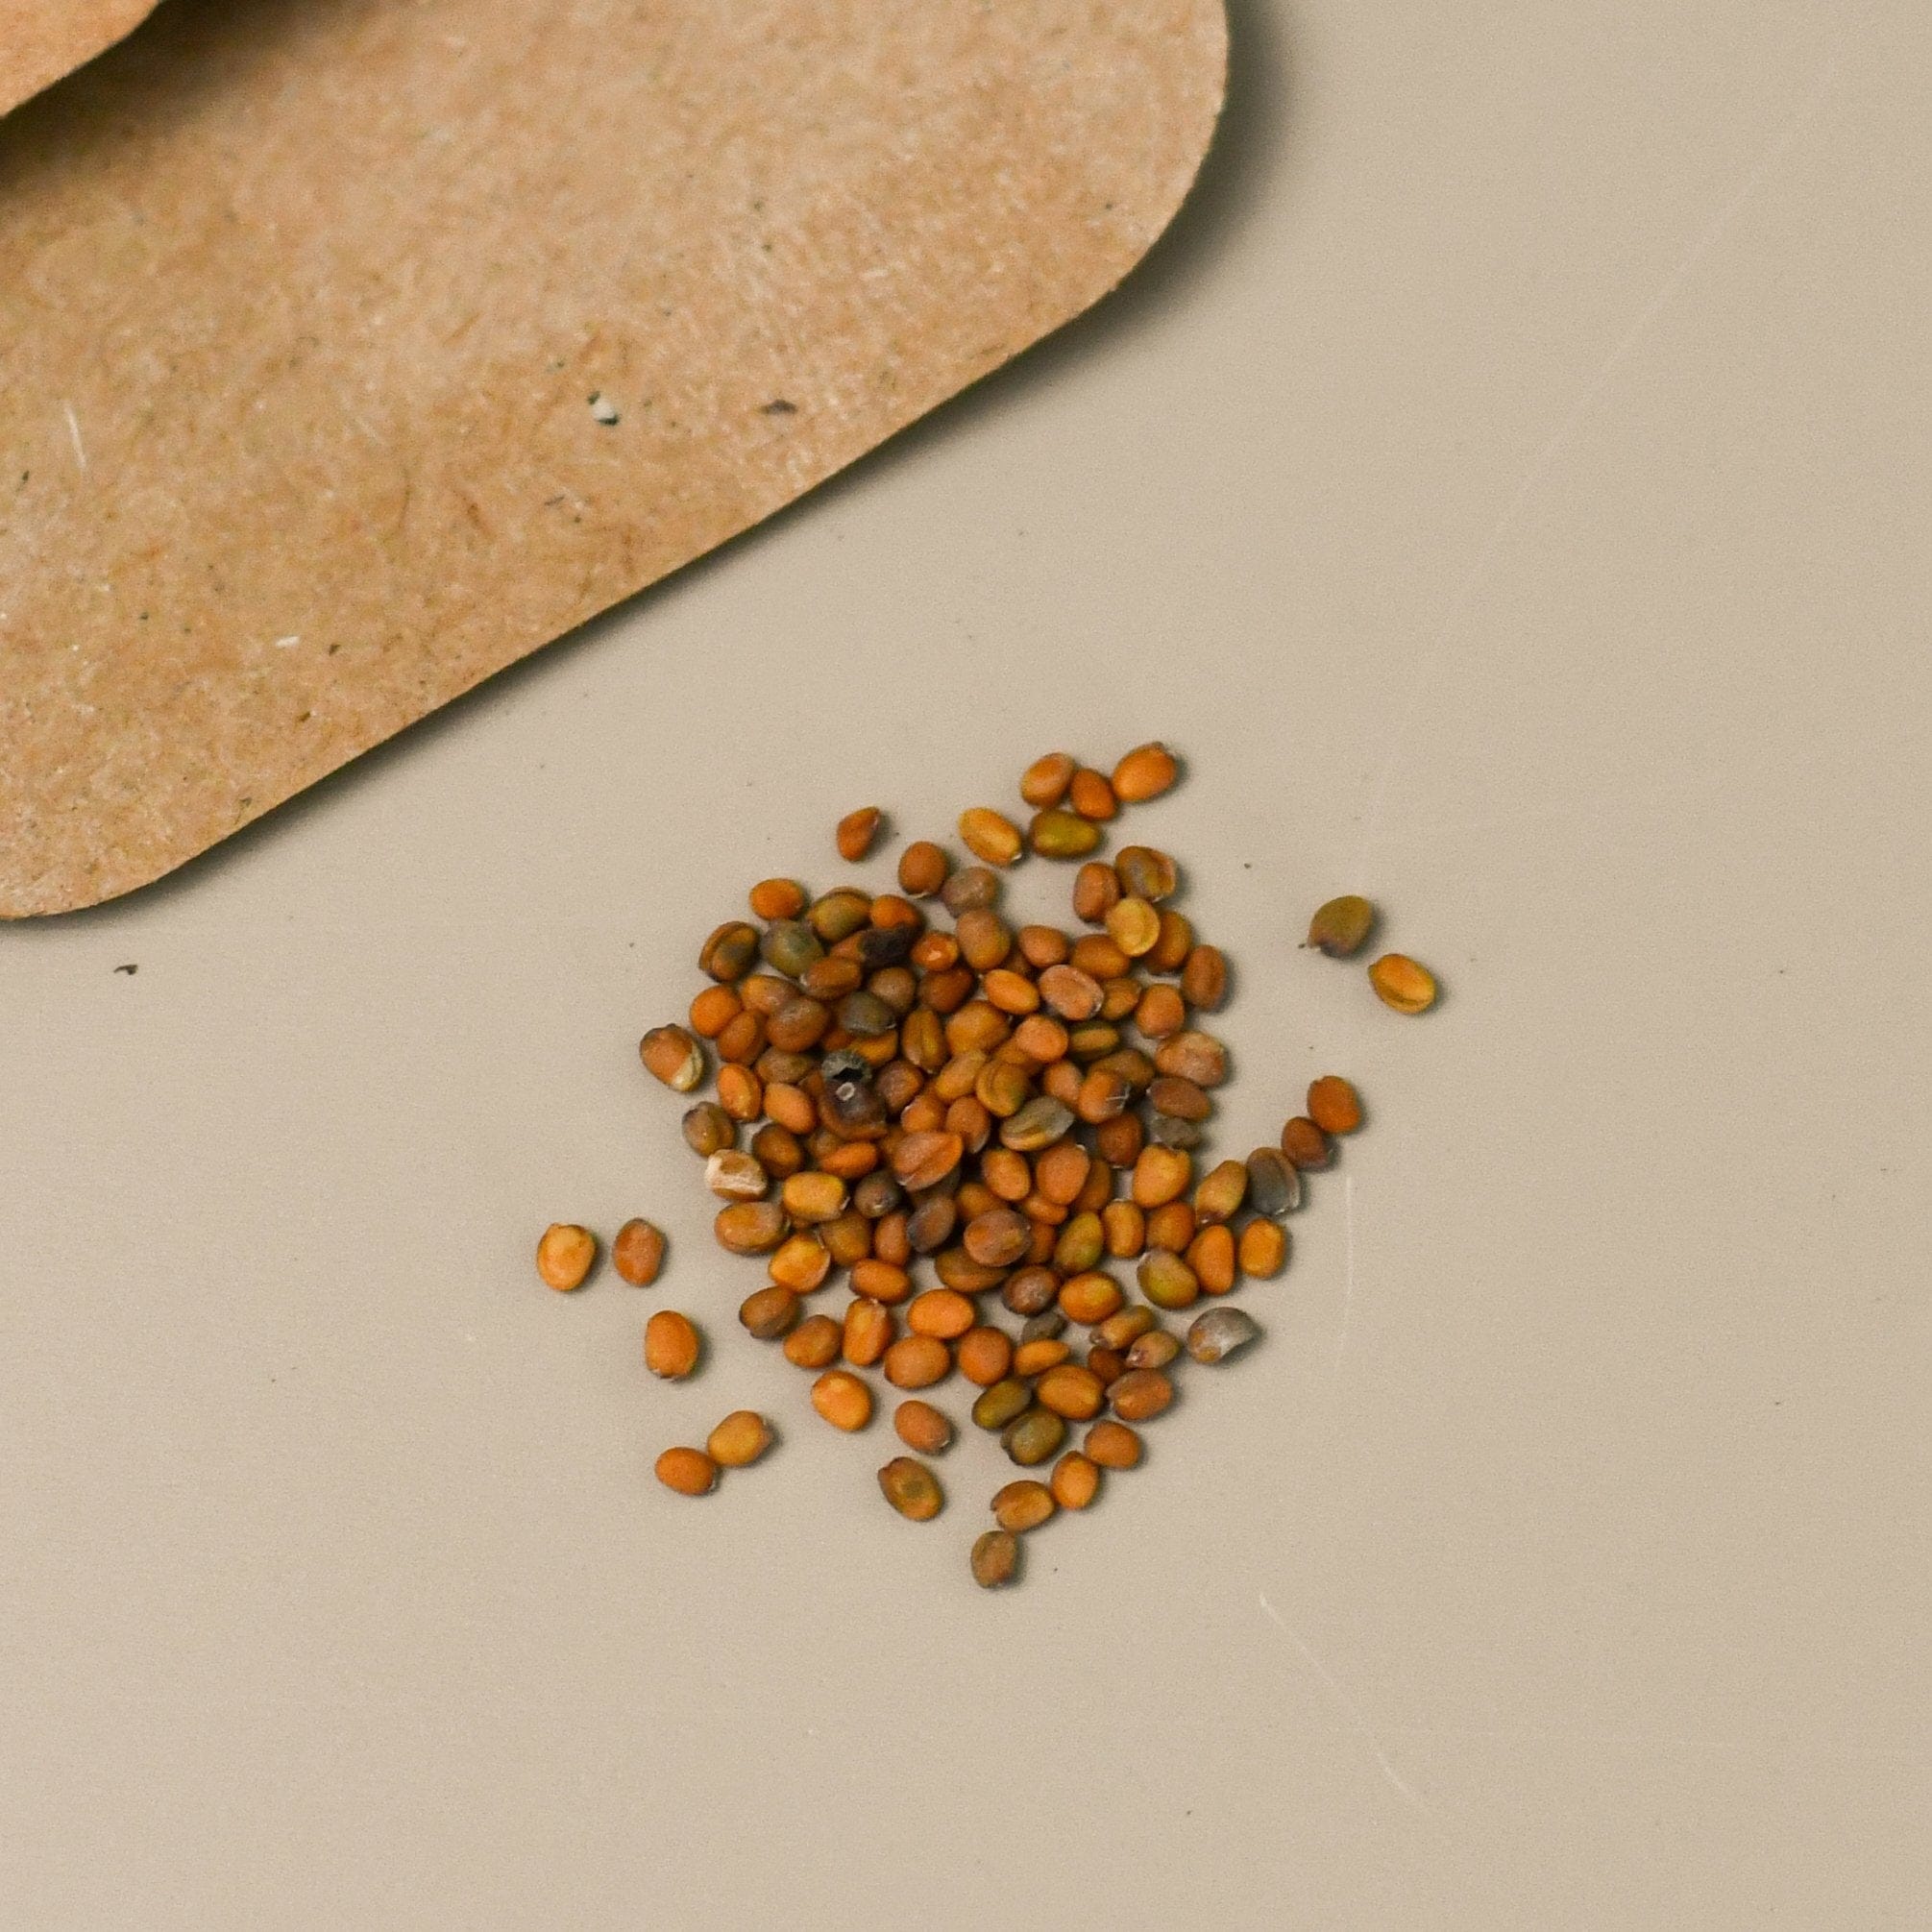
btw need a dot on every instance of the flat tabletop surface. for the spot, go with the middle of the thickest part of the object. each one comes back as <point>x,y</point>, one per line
<point>1507,487</point>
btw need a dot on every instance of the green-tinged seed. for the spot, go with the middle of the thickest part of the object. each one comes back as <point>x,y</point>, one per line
<point>1167,1281</point>
<point>1034,1437</point>
<point>791,946</point>
<point>997,1406</point>
<point>995,1558</point>
<point>1055,834</point>
<point>911,1488</point>
<point>1339,927</point>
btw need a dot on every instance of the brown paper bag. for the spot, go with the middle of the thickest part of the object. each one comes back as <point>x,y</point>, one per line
<point>351,350</point>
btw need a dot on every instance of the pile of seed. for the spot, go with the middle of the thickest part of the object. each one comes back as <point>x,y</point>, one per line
<point>982,1131</point>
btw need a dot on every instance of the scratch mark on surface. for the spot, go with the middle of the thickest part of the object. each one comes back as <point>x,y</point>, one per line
<point>1349,1709</point>
<point>74,430</point>
<point>1348,1267</point>
<point>1534,477</point>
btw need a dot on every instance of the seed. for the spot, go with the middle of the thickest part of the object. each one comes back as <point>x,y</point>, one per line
<point>924,1159</point>
<point>1090,1298</point>
<point>751,1227</point>
<point>958,1269</point>
<point>1071,992</point>
<point>1038,1124</point>
<point>920,1426</point>
<point>1145,772</point>
<point>1204,978</point>
<point>688,1471</point>
<point>1091,795</point>
<point>1034,1438</point>
<point>1003,1088</point>
<point>638,1253</point>
<point>1193,1056</point>
<point>1221,1332</point>
<point>1400,982</point>
<point>839,915</point>
<point>741,1042</point>
<point>1113,1445</point>
<point>671,1345</point>
<point>730,952</point>
<point>941,1313</point>
<point>917,1361</point>
<point>735,1176</point>
<point>1071,1390</point>
<point>1097,956</point>
<point>991,836</point>
<point>1170,952</point>
<point>1210,1253</point>
<point>1030,1291</point>
<point>856,832</point>
<point>930,1225</point>
<point>922,869</point>
<point>1221,1193</point>
<point>770,1312</point>
<point>995,1558</point>
<point>814,1343</point>
<point>843,1400</point>
<point>1044,783</point>
<point>1333,1105</point>
<point>739,1439</point>
<point>866,1015</point>
<point>712,1009</point>
<point>1037,1355</point>
<point>880,1280</point>
<point>1167,1280</point>
<point>985,1355</point>
<point>1049,1325</point>
<point>912,1489</point>
<point>707,1127</point>
<point>998,1239</point>
<point>1143,1393</point>
<point>1133,926</point>
<point>1096,891</point>
<point>997,1406</point>
<point>1171,1226</point>
<point>868,1333</point>
<point>1062,835</point>
<point>971,888</point>
<point>812,1197</point>
<point>1118,1142</point>
<point>673,1056</point>
<point>1178,1098</point>
<point>1339,927</point>
<point>1146,873</point>
<point>740,1092</point>
<point>777,1150</point>
<point>799,1025</point>
<point>1162,1010</point>
<point>1161,1175</point>
<point>565,1253</point>
<point>1305,1143</point>
<point>1155,1348</point>
<point>1124,1226</point>
<point>1011,991</point>
<point>1076,1480</point>
<point>778,899</point>
<point>1022,1505</point>
<point>1274,1185</point>
<point>1263,1249</point>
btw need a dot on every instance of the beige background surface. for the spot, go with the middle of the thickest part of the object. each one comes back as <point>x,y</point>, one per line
<point>1508,487</point>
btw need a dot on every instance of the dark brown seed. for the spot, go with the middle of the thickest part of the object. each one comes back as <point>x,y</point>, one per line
<point>707,1127</point>
<point>770,1312</point>
<point>970,889</point>
<point>1305,1143</point>
<point>1274,1185</point>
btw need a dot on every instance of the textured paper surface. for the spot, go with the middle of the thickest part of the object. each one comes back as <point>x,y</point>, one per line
<point>43,39</point>
<point>355,350</point>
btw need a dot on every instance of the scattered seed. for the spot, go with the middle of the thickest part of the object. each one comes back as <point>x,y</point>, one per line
<point>1305,1143</point>
<point>739,1439</point>
<point>843,1400</point>
<point>1333,1105</point>
<point>1403,984</point>
<point>1145,772</point>
<point>1023,1505</point>
<point>991,836</point>
<point>638,1253</point>
<point>565,1253</point>
<point>995,1558</point>
<point>1113,1445</point>
<point>688,1471</point>
<point>920,1426</point>
<point>856,832</point>
<point>912,1489</point>
<point>1339,927</point>
<point>1221,1332</point>
<point>673,1056</point>
<point>671,1345</point>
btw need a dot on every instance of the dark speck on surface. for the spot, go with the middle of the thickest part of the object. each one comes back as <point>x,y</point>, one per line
<point>778,407</point>
<point>130,969</point>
